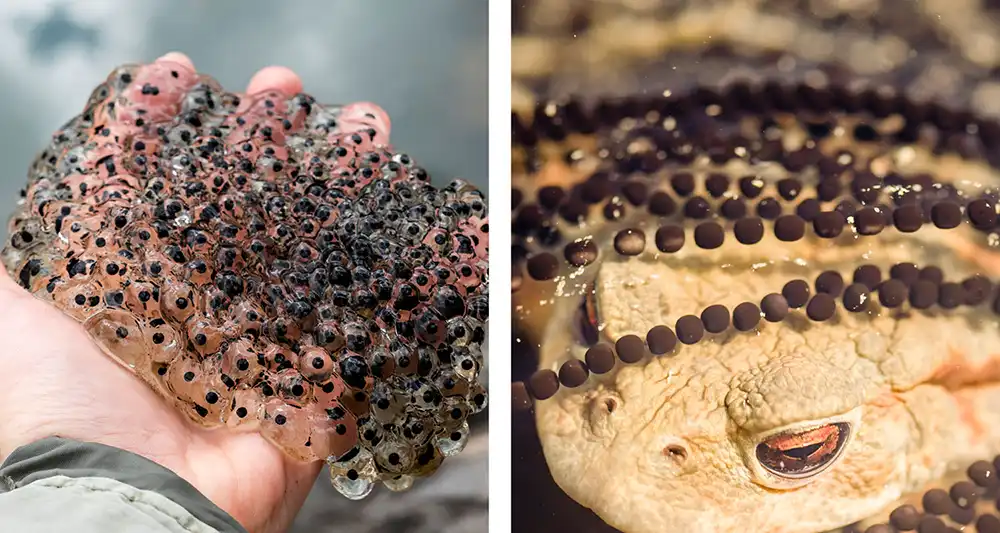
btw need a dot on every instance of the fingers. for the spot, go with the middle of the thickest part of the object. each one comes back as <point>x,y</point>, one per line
<point>177,57</point>
<point>272,78</point>
<point>275,78</point>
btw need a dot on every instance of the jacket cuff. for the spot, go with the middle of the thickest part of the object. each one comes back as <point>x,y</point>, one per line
<point>56,456</point>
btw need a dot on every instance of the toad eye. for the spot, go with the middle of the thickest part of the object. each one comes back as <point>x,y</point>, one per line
<point>797,455</point>
<point>587,318</point>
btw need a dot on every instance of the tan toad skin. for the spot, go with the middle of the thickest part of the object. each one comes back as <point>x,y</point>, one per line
<point>667,444</point>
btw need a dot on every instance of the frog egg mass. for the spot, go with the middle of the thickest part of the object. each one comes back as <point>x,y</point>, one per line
<point>266,262</point>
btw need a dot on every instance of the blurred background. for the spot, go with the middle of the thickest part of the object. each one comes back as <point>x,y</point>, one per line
<point>424,62</point>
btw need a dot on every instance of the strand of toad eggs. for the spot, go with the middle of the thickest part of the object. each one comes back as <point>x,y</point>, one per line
<point>559,121</point>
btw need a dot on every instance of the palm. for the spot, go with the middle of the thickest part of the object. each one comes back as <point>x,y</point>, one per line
<point>54,381</point>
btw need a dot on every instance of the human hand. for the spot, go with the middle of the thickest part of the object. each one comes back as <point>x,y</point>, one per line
<point>54,381</point>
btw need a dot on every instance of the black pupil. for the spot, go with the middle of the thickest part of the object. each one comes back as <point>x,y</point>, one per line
<point>803,452</point>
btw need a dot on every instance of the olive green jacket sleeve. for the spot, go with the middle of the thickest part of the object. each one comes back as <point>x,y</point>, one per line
<point>59,485</point>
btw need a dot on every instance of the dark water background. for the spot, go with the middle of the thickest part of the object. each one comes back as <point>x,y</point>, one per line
<point>424,61</point>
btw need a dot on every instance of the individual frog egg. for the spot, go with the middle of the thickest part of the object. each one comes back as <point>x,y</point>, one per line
<point>425,280</point>
<point>249,318</point>
<point>393,455</point>
<point>357,337</point>
<point>427,360</point>
<point>229,261</point>
<point>334,431</point>
<point>405,298</point>
<point>451,384</point>
<point>468,275</point>
<point>218,303</point>
<point>119,334</point>
<point>404,357</point>
<point>328,335</point>
<point>448,302</point>
<point>438,241</point>
<point>286,427</point>
<point>459,332</point>
<point>196,242</point>
<point>315,364</point>
<point>355,371</point>
<point>114,296</point>
<point>329,391</point>
<point>204,336</point>
<point>26,231</point>
<point>430,328</point>
<point>429,459</point>
<point>464,363</point>
<point>357,402</point>
<point>383,365</point>
<point>364,303</point>
<point>198,272</point>
<point>157,266</point>
<point>453,413</point>
<point>34,275</point>
<point>386,403</point>
<point>281,329</point>
<point>370,430</point>
<point>478,397</point>
<point>398,483</point>
<point>52,287</point>
<point>156,375</point>
<point>240,360</point>
<point>423,394</point>
<point>208,395</point>
<point>246,407</point>
<point>117,217</point>
<point>204,97</point>
<point>452,443</point>
<point>214,405</point>
<point>416,429</point>
<point>478,329</point>
<point>164,342</point>
<point>142,298</point>
<point>478,231</point>
<point>276,357</point>
<point>292,388</point>
<point>187,380</point>
<point>354,474</point>
<point>463,247</point>
<point>271,167</point>
<point>178,301</point>
<point>303,252</point>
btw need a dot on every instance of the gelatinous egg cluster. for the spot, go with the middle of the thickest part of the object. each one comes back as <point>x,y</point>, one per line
<point>268,262</point>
